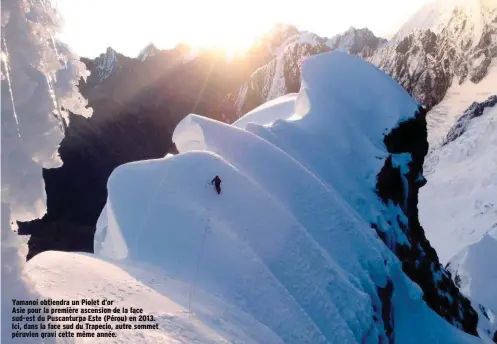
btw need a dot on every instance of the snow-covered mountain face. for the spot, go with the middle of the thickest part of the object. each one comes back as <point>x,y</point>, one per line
<point>447,42</point>
<point>458,206</point>
<point>291,232</point>
<point>475,110</point>
<point>148,51</point>
<point>476,278</point>
<point>282,74</point>
<point>454,41</point>
<point>458,209</point>
<point>360,42</point>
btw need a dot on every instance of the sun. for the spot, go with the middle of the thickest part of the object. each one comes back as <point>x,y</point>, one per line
<point>228,25</point>
<point>232,39</point>
<point>215,24</point>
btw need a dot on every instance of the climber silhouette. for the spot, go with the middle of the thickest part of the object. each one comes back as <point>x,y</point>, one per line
<point>217,182</point>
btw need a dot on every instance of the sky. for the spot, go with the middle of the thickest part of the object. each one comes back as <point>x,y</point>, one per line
<point>90,26</point>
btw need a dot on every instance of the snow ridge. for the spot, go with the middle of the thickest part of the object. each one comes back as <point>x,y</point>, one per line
<point>289,240</point>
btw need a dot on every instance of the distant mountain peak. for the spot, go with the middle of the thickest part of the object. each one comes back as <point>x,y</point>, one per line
<point>106,63</point>
<point>360,42</point>
<point>149,50</point>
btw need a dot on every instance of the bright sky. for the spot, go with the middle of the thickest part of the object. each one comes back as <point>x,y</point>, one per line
<point>129,25</point>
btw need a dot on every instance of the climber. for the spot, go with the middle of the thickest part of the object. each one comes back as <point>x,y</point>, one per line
<point>217,182</point>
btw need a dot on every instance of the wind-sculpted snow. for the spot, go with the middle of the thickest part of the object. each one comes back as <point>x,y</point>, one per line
<point>289,239</point>
<point>267,113</point>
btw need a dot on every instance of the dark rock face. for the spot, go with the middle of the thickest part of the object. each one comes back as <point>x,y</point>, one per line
<point>475,110</point>
<point>77,191</point>
<point>419,259</point>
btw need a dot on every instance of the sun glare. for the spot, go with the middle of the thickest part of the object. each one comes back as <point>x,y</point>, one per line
<point>232,37</point>
<point>128,26</point>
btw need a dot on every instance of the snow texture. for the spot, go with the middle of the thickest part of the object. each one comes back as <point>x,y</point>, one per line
<point>458,205</point>
<point>39,77</point>
<point>265,114</point>
<point>458,98</point>
<point>477,271</point>
<point>288,242</point>
<point>435,14</point>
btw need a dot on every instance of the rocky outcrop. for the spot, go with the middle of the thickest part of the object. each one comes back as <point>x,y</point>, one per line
<point>475,110</point>
<point>399,182</point>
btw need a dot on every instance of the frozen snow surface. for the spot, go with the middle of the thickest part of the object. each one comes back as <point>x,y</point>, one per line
<point>458,98</point>
<point>458,205</point>
<point>458,210</point>
<point>435,14</point>
<point>286,253</point>
<point>265,114</point>
<point>88,277</point>
<point>477,272</point>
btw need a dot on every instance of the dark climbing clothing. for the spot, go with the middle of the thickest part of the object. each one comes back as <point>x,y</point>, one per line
<point>217,183</point>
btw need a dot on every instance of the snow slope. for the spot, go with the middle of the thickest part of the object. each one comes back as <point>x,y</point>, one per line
<point>458,205</point>
<point>77,276</point>
<point>477,272</point>
<point>435,14</point>
<point>458,98</point>
<point>289,241</point>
